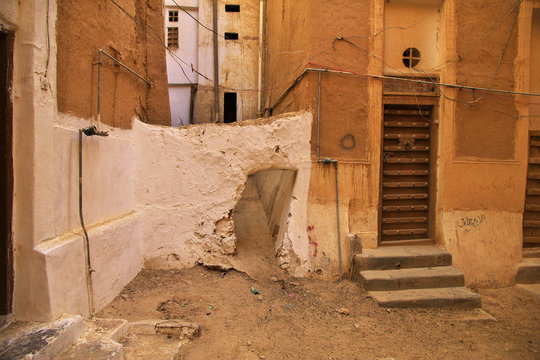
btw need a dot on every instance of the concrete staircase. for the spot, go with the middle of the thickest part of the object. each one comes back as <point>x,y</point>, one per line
<point>528,274</point>
<point>413,276</point>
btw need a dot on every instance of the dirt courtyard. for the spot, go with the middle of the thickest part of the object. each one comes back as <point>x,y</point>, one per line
<point>311,319</point>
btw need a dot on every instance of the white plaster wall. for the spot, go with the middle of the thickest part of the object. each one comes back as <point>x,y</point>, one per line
<point>189,180</point>
<point>179,98</point>
<point>186,54</point>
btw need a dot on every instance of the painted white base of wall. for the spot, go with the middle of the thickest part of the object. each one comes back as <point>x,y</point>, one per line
<point>160,196</point>
<point>115,250</point>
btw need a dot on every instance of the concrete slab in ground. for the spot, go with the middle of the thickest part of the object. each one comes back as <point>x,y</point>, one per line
<point>474,315</point>
<point>94,348</point>
<point>530,289</point>
<point>39,340</point>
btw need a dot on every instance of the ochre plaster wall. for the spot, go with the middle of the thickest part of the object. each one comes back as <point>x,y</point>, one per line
<point>238,60</point>
<point>189,179</point>
<point>84,27</point>
<point>335,35</point>
<point>483,146</point>
<point>480,150</point>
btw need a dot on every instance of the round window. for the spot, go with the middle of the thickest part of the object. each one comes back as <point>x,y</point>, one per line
<point>411,57</point>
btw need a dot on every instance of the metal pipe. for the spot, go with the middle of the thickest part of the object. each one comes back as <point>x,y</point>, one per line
<point>89,270</point>
<point>327,161</point>
<point>338,224</point>
<point>216,65</point>
<point>259,84</point>
<point>90,131</point>
<point>453,85</point>
<point>100,51</point>
<point>319,118</point>
<point>124,66</point>
<point>99,89</point>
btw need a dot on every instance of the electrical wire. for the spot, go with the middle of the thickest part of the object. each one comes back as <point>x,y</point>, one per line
<point>157,37</point>
<point>304,64</point>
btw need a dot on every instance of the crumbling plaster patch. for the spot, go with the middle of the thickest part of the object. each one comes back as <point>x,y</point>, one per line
<point>189,180</point>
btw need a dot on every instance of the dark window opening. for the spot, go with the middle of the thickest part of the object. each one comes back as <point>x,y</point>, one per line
<point>172,37</point>
<point>229,108</point>
<point>232,8</point>
<point>411,57</point>
<point>173,16</point>
<point>231,36</point>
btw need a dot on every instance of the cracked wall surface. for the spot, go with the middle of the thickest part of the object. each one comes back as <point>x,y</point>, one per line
<point>189,180</point>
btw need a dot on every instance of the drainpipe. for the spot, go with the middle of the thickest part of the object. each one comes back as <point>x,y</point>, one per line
<point>216,64</point>
<point>319,118</point>
<point>327,161</point>
<point>259,85</point>
<point>90,131</point>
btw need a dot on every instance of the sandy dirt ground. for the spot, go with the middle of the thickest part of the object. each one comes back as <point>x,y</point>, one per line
<point>311,319</point>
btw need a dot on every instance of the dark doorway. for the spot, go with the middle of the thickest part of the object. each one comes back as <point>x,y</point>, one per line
<point>6,169</point>
<point>229,108</point>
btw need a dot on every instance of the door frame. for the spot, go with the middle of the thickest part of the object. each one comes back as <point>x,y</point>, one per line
<point>418,99</point>
<point>6,181</point>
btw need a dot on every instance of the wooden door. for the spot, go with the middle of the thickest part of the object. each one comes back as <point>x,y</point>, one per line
<point>531,216</point>
<point>405,174</point>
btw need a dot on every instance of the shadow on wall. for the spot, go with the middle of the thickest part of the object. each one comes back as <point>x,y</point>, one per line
<point>260,218</point>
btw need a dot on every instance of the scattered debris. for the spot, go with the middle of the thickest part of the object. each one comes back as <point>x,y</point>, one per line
<point>356,326</point>
<point>223,274</point>
<point>254,291</point>
<point>294,283</point>
<point>125,296</point>
<point>181,329</point>
<point>260,297</point>
<point>344,311</point>
<point>248,343</point>
<point>289,306</point>
<point>274,279</point>
<point>291,295</point>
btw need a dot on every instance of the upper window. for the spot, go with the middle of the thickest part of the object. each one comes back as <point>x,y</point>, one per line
<point>173,15</point>
<point>232,8</point>
<point>172,37</point>
<point>231,36</point>
<point>411,57</point>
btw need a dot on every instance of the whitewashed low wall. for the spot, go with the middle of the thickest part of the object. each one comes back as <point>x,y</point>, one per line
<point>189,180</point>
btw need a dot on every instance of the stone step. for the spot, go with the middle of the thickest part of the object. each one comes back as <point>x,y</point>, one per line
<point>532,252</point>
<point>20,340</point>
<point>400,257</point>
<point>413,278</point>
<point>94,348</point>
<point>529,271</point>
<point>458,297</point>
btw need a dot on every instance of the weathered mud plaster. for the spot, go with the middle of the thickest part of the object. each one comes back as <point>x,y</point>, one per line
<point>188,181</point>
<point>485,245</point>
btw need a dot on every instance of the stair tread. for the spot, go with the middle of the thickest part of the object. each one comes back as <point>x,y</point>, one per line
<point>404,251</point>
<point>411,273</point>
<point>530,262</point>
<point>432,297</point>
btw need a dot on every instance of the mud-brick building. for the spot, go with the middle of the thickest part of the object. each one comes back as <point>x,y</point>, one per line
<point>414,122</point>
<point>214,76</point>
<point>424,154</point>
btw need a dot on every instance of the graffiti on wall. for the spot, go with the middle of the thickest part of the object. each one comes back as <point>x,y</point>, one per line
<point>311,242</point>
<point>468,223</point>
